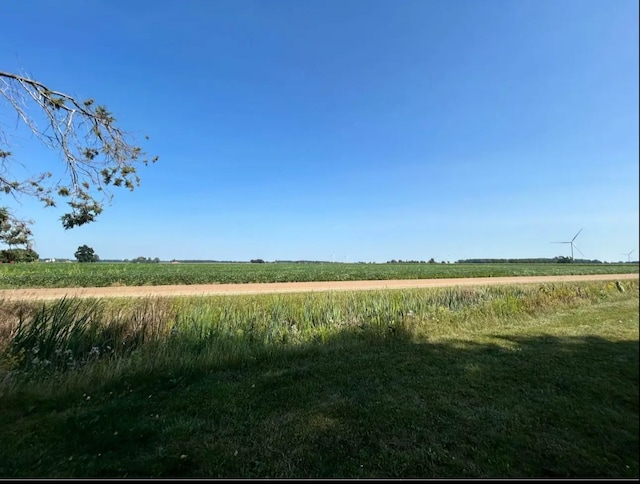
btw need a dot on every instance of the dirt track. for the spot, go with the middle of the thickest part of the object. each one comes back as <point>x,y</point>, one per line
<point>281,287</point>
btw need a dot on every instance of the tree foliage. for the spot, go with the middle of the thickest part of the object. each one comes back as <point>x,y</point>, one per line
<point>13,232</point>
<point>18,255</point>
<point>145,260</point>
<point>86,254</point>
<point>97,154</point>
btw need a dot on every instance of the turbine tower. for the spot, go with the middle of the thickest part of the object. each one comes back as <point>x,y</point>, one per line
<point>572,244</point>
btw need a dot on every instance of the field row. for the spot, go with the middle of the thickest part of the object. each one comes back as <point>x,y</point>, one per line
<point>120,274</point>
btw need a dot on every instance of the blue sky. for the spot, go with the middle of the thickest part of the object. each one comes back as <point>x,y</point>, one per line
<point>347,130</point>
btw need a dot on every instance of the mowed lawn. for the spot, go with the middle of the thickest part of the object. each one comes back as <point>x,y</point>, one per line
<point>538,381</point>
<point>105,274</point>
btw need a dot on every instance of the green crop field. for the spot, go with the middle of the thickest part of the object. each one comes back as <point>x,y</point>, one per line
<point>128,274</point>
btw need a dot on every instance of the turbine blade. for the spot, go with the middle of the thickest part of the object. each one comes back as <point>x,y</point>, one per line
<point>574,237</point>
<point>574,246</point>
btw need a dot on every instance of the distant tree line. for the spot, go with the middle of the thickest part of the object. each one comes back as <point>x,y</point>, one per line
<point>555,260</point>
<point>400,261</point>
<point>144,260</point>
<point>281,261</point>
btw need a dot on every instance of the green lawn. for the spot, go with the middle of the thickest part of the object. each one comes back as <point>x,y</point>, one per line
<point>108,274</point>
<point>527,381</point>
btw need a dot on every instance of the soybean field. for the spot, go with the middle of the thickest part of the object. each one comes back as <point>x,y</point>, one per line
<point>105,274</point>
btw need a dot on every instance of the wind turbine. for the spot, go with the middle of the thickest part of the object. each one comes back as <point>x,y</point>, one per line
<point>572,244</point>
<point>628,254</point>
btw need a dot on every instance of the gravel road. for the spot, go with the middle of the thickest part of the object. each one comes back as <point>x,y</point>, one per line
<point>283,287</point>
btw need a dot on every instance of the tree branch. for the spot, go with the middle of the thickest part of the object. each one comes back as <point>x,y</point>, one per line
<point>96,152</point>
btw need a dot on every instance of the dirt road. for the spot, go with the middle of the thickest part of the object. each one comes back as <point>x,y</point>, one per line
<point>282,287</point>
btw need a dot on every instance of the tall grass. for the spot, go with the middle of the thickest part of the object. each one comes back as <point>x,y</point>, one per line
<point>70,333</point>
<point>108,336</point>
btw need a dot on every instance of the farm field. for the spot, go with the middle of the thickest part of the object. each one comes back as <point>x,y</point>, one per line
<point>536,380</point>
<point>127,274</point>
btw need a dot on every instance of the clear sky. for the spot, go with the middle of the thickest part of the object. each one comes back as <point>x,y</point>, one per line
<point>347,130</point>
